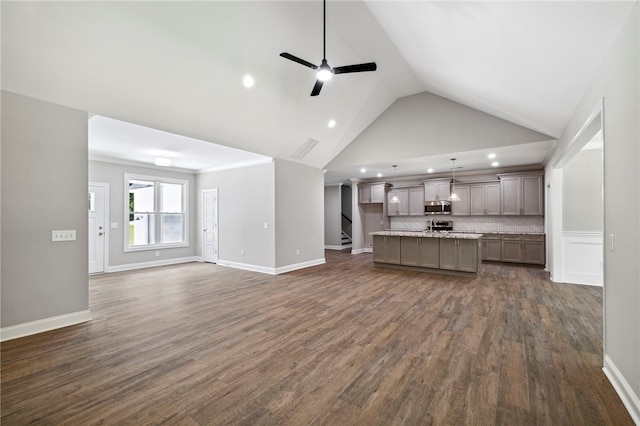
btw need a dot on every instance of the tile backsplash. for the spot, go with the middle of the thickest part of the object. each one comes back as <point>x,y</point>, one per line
<point>480,224</point>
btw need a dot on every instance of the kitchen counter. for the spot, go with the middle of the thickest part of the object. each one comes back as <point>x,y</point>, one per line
<point>426,234</point>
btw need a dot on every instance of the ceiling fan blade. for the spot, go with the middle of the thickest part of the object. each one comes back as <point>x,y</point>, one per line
<point>298,60</point>
<point>316,88</point>
<point>369,66</point>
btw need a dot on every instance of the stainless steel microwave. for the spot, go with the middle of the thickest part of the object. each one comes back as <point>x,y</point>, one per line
<point>437,207</point>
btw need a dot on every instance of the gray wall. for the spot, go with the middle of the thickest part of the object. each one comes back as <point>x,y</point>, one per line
<point>332,215</point>
<point>582,192</point>
<point>299,208</point>
<point>617,83</point>
<point>245,203</point>
<point>113,174</point>
<point>44,188</point>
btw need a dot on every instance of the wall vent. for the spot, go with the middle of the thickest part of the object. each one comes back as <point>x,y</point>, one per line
<point>304,149</point>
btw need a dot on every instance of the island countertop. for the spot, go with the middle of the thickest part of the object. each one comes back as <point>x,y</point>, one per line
<point>423,234</point>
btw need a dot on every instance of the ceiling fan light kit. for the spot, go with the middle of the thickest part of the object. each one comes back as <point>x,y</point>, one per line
<point>325,72</point>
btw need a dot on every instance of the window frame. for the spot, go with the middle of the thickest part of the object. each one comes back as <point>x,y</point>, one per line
<point>157,213</point>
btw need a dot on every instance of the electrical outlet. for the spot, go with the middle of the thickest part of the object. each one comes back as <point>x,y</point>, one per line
<point>611,242</point>
<point>157,254</point>
<point>297,252</point>
<point>241,252</point>
<point>266,225</point>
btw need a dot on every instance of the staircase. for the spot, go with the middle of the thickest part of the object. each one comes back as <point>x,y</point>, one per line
<point>346,240</point>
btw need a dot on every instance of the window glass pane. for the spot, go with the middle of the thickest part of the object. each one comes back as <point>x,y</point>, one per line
<point>142,229</point>
<point>141,196</point>
<point>172,226</point>
<point>171,198</point>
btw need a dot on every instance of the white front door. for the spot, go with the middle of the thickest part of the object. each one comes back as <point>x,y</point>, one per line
<point>96,228</point>
<point>210,225</point>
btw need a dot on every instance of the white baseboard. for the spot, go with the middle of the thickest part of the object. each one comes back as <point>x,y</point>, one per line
<point>337,247</point>
<point>153,263</point>
<point>271,271</point>
<point>302,265</point>
<point>361,250</point>
<point>624,391</point>
<point>42,325</point>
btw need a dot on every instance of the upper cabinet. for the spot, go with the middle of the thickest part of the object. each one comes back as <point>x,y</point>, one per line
<point>371,193</point>
<point>411,202</point>
<point>436,189</point>
<point>484,199</point>
<point>522,194</point>
<point>461,207</point>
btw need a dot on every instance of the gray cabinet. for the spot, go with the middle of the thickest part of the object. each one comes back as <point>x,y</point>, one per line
<point>459,254</point>
<point>401,208</point>
<point>522,194</point>
<point>461,207</point>
<point>386,249</point>
<point>491,247</point>
<point>373,193</point>
<point>484,199</point>
<point>437,190</point>
<point>416,201</point>
<point>523,249</point>
<point>423,252</point>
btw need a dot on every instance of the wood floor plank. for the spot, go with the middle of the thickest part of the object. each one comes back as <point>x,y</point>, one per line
<point>342,343</point>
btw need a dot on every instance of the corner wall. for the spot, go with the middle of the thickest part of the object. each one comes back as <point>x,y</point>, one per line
<point>44,188</point>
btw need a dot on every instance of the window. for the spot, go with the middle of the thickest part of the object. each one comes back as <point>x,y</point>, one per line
<point>156,212</point>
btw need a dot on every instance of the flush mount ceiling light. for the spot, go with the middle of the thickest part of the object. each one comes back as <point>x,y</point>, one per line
<point>394,199</point>
<point>495,164</point>
<point>491,156</point>
<point>248,81</point>
<point>429,170</point>
<point>453,196</point>
<point>162,161</point>
<point>379,175</point>
<point>363,170</point>
<point>332,124</point>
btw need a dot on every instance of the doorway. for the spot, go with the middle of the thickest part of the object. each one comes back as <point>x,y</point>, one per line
<point>210,225</point>
<point>98,216</point>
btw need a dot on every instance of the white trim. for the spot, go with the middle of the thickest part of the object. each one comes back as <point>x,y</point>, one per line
<point>559,163</point>
<point>153,263</point>
<point>358,251</point>
<point>202,219</point>
<point>42,325</point>
<point>266,160</point>
<point>268,270</point>
<point>329,247</point>
<point>578,269</point>
<point>301,265</point>
<point>107,223</point>
<point>623,389</point>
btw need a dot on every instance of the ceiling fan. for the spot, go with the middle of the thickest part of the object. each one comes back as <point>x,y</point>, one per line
<point>325,72</point>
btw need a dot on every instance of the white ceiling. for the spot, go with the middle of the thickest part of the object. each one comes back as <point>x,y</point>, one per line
<point>178,66</point>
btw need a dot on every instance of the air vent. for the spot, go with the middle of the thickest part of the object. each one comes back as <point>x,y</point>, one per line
<point>304,149</point>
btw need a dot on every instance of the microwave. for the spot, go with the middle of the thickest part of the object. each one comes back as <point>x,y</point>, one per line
<point>437,207</point>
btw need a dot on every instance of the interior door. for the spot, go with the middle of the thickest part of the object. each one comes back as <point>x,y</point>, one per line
<point>210,225</point>
<point>96,228</point>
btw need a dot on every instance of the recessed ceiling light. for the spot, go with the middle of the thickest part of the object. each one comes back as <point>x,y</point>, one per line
<point>379,175</point>
<point>491,156</point>
<point>161,161</point>
<point>332,124</point>
<point>495,164</point>
<point>429,170</point>
<point>248,81</point>
<point>363,170</point>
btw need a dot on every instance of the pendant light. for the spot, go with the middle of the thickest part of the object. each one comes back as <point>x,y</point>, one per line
<point>394,199</point>
<point>453,196</point>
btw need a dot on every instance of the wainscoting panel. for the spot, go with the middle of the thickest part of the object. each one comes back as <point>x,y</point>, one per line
<point>582,257</point>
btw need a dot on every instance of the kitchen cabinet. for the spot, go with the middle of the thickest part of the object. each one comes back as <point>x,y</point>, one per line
<point>411,202</point>
<point>437,189</point>
<point>373,193</point>
<point>491,247</point>
<point>523,249</point>
<point>484,199</point>
<point>522,194</point>
<point>417,251</point>
<point>386,249</point>
<point>459,254</point>
<point>401,208</point>
<point>461,207</point>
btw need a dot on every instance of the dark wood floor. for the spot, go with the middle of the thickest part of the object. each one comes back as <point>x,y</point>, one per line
<point>339,344</point>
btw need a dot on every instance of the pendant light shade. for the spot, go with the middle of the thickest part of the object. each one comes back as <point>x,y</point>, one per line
<point>453,196</point>
<point>394,199</point>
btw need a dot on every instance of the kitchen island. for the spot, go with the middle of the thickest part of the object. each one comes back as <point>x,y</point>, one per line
<point>448,252</point>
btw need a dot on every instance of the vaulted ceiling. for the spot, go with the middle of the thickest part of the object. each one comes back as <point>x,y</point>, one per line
<point>178,66</point>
